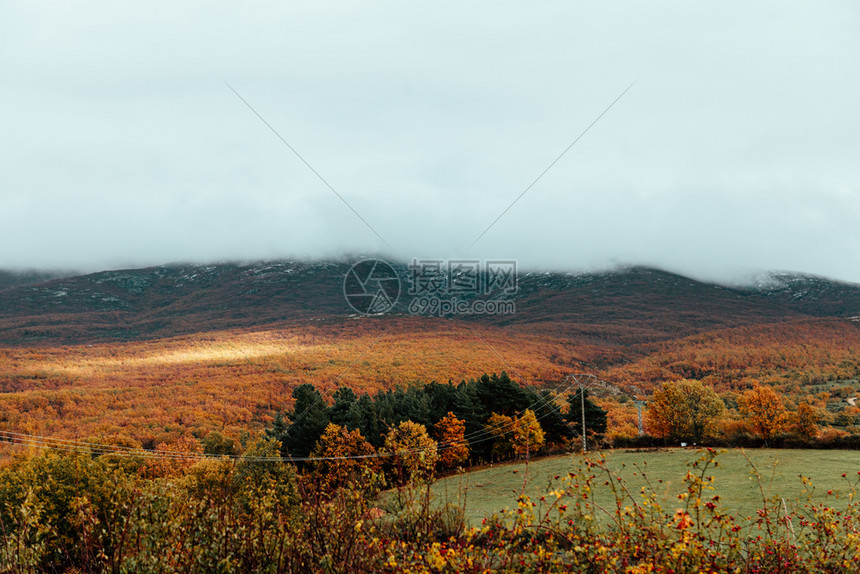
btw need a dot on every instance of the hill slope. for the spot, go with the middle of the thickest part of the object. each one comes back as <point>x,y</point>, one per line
<point>612,308</point>
<point>153,353</point>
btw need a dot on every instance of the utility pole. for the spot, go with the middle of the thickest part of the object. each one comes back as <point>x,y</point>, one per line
<point>639,405</point>
<point>582,398</point>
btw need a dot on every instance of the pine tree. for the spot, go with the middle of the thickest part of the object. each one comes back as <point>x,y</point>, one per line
<point>341,412</point>
<point>595,417</point>
<point>308,419</point>
<point>552,420</point>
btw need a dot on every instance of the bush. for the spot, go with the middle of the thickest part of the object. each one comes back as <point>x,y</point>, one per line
<point>75,513</point>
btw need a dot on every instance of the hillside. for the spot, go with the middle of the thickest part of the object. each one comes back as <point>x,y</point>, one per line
<point>152,353</point>
<point>235,380</point>
<point>621,307</point>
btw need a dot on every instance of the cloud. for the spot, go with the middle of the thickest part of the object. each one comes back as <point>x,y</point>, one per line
<point>735,151</point>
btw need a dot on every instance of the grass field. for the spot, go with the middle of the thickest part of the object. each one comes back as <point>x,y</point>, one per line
<point>493,489</point>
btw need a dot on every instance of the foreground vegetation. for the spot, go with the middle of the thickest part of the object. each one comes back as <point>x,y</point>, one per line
<point>84,513</point>
<point>223,452</point>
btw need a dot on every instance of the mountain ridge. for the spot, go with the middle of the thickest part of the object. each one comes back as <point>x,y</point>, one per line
<point>620,306</point>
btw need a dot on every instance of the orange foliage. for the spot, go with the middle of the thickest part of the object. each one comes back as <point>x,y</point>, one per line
<point>789,355</point>
<point>805,421</point>
<point>349,456</point>
<point>521,435</point>
<point>175,464</point>
<point>765,411</point>
<point>233,381</point>
<point>734,429</point>
<point>450,432</point>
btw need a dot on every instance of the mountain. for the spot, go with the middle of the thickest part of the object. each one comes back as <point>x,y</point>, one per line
<point>811,294</point>
<point>137,304</point>
<point>639,304</point>
<point>620,307</point>
<point>151,354</point>
<point>17,278</point>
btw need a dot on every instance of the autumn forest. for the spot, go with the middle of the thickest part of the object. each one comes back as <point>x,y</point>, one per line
<point>146,417</point>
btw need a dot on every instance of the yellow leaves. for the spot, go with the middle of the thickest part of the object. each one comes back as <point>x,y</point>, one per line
<point>519,436</point>
<point>347,456</point>
<point>684,410</point>
<point>414,453</point>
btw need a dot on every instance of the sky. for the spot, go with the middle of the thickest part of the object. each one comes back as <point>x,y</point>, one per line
<point>736,150</point>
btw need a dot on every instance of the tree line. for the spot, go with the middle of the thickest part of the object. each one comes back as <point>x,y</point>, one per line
<point>688,410</point>
<point>493,412</point>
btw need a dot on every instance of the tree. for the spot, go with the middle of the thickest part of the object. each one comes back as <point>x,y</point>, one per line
<point>454,450</point>
<point>368,420</point>
<point>412,453</point>
<point>595,417</point>
<point>501,427</point>
<point>529,435</point>
<point>553,421</point>
<point>765,411</point>
<point>350,459</point>
<point>342,412</point>
<point>499,394</point>
<point>261,475</point>
<point>806,421</point>
<point>478,399</point>
<point>518,436</point>
<point>684,410</point>
<point>441,399</point>
<point>278,431</point>
<point>308,418</point>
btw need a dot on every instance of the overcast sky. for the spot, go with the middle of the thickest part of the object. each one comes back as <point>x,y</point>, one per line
<point>737,150</point>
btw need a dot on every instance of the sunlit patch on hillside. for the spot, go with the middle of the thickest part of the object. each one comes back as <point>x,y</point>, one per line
<point>235,380</point>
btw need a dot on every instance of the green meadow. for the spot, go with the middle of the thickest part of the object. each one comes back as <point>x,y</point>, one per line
<point>742,478</point>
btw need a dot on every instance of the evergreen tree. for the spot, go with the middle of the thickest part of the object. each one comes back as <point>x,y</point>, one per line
<point>308,419</point>
<point>278,431</point>
<point>441,399</point>
<point>341,412</point>
<point>369,423</point>
<point>478,399</point>
<point>499,394</point>
<point>552,420</point>
<point>595,417</point>
<point>467,408</point>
